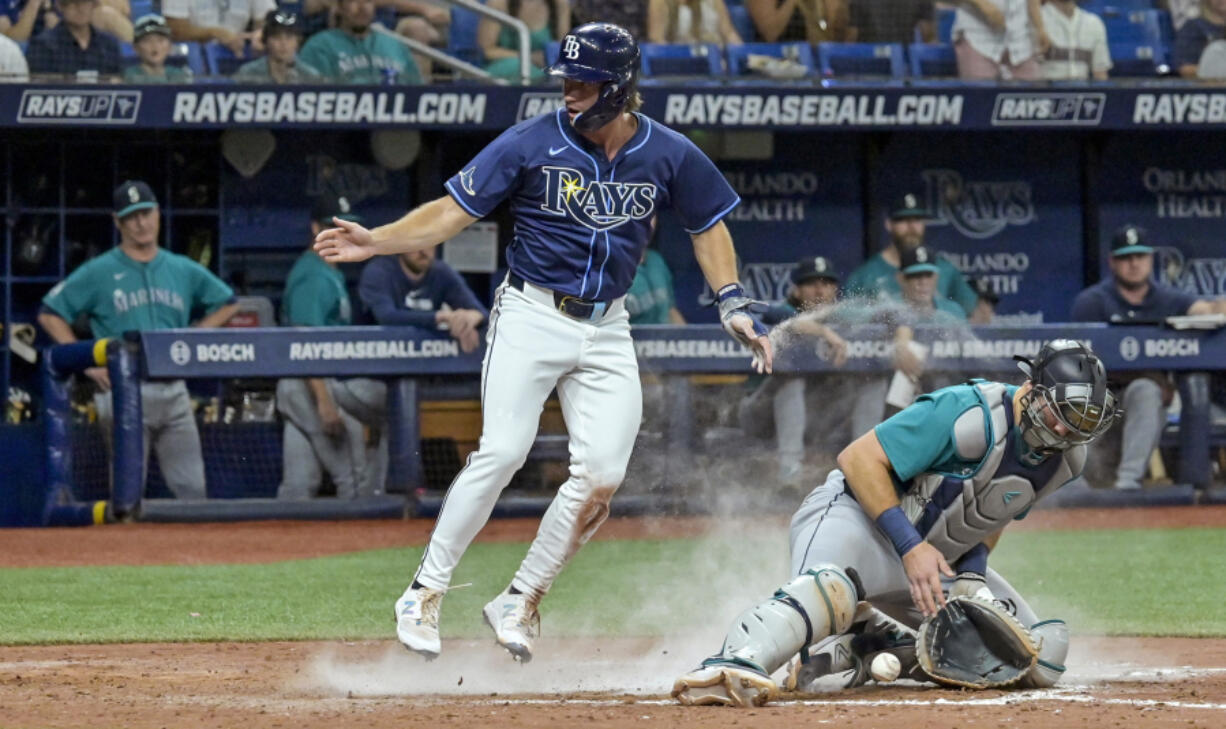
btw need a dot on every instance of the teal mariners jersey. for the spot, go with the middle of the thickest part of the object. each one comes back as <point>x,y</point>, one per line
<point>315,295</point>
<point>342,57</point>
<point>650,296</point>
<point>120,294</point>
<point>876,276</point>
<point>920,438</point>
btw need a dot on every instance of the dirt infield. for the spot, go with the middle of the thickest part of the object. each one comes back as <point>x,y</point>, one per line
<point>1117,682</point>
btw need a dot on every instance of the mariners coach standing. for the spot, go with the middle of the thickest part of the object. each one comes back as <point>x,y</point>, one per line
<point>583,184</point>
<point>139,286</point>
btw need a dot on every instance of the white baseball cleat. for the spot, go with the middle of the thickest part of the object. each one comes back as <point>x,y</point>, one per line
<point>724,684</point>
<point>515,622</point>
<point>417,621</point>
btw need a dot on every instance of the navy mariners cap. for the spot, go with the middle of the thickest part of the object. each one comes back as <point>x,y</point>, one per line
<point>133,195</point>
<point>1130,239</point>
<point>920,259</point>
<point>808,269</point>
<point>327,207</point>
<point>151,23</point>
<point>908,205</point>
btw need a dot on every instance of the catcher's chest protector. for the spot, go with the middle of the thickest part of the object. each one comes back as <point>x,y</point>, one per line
<point>954,514</point>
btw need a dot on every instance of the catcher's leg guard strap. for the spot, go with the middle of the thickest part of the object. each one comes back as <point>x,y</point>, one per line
<point>1052,637</point>
<point>814,606</point>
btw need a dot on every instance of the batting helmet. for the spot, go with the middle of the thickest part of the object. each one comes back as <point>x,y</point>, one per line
<point>1069,389</point>
<point>600,53</point>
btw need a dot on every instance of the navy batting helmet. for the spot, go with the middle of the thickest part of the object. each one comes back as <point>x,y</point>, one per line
<point>1069,388</point>
<point>600,53</point>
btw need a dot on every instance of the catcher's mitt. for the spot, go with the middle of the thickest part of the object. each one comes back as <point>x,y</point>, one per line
<point>974,643</point>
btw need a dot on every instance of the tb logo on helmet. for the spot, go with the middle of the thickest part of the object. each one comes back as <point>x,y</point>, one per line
<point>570,47</point>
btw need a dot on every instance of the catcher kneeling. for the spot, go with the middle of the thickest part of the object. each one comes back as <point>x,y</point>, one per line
<point>871,548</point>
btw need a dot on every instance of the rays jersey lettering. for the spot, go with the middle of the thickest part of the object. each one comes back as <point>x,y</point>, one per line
<point>596,205</point>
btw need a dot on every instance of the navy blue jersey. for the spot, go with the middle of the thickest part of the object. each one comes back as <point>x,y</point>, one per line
<point>390,298</point>
<point>1103,302</point>
<point>581,221</point>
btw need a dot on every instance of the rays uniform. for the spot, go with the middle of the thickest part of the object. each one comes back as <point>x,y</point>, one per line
<point>581,224</point>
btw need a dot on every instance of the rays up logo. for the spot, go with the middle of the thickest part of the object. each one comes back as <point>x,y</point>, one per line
<point>596,205</point>
<point>977,209</point>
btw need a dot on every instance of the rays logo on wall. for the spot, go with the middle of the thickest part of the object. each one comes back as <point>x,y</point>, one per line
<point>596,205</point>
<point>1197,276</point>
<point>977,209</point>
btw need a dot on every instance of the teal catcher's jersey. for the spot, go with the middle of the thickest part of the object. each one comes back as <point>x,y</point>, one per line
<point>120,294</point>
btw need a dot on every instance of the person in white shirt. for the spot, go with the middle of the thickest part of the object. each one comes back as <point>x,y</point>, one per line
<point>1078,43</point>
<point>999,39</point>
<point>229,22</point>
<point>13,67</point>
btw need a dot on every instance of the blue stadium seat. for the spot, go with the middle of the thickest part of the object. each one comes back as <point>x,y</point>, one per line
<point>945,25</point>
<point>930,60</point>
<point>387,16</point>
<point>802,53</point>
<point>682,59</point>
<point>1133,26</point>
<point>222,61</point>
<point>462,36</point>
<point>1137,59</point>
<point>551,52</point>
<point>1095,6</point>
<point>842,60</point>
<point>142,7</point>
<point>742,22</point>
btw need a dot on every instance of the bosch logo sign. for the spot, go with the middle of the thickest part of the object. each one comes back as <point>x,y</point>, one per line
<point>1130,348</point>
<point>180,353</point>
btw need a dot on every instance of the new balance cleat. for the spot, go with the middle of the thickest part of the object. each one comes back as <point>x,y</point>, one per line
<point>417,621</point>
<point>724,684</point>
<point>515,622</point>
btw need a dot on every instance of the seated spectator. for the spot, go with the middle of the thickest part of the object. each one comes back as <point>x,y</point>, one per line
<point>629,14</point>
<point>999,39</point>
<point>1130,295</point>
<point>547,20</point>
<point>1197,34</point>
<point>316,430</point>
<point>1181,11</point>
<point>229,22</point>
<point>1078,47</point>
<point>810,21</point>
<point>413,289</point>
<point>892,21</point>
<point>152,45</point>
<point>74,45</point>
<point>13,67</point>
<point>282,36</point>
<point>355,54</point>
<point>690,21</point>
<point>650,298</point>
<point>906,225</point>
<point>24,19</point>
<point>813,293</point>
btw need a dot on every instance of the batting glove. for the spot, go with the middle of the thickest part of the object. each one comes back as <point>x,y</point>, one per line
<point>733,303</point>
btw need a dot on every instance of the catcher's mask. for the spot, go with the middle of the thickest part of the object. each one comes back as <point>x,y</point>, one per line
<point>1069,382</point>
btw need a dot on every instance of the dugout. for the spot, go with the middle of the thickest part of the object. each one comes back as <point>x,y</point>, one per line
<point>1025,184</point>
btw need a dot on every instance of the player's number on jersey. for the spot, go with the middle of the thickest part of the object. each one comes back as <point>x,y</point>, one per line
<point>570,48</point>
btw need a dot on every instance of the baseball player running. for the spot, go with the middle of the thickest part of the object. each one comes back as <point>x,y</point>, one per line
<point>583,184</point>
<point>931,487</point>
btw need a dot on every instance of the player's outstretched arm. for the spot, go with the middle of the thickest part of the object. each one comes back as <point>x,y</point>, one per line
<point>423,227</point>
<point>867,470</point>
<point>716,257</point>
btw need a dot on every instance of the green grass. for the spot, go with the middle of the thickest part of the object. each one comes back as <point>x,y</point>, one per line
<point>1147,582</point>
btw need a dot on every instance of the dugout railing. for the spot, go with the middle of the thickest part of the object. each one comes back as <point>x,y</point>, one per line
<point>672,353</point>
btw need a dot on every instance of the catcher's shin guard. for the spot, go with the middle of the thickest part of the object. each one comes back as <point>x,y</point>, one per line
<point>1052,637</point>
<point>814,606</point>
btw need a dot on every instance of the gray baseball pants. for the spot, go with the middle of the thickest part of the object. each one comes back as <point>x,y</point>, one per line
<point>170,428</point>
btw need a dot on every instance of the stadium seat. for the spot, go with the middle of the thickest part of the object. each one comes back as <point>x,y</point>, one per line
<point>222,61</point>
<point>190,55</point>
<point>1137,59</point>
<point>844,60</point>
<point>551,52</point>
<point>142,7</point>
<point>1133,26</point>
<point>932,60</point>
<point>738,56</point>
<point>945,25</point>
<point>682,59</point>
<point>1096,6</point>
<point>742,22</point>
<point>462,36</point>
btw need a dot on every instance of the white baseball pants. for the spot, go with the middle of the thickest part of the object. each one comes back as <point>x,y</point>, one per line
<point>531,348</point>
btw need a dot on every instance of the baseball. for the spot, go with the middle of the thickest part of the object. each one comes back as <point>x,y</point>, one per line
<point>885,668</point>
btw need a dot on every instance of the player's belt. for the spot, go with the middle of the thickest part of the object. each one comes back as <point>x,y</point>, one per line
<point>572,306</point>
